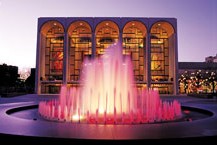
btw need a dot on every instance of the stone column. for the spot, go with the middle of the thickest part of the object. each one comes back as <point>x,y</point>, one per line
<point>148,59</point>
<point>93,40</point>
<point>65,58</point>
<point>176,67</point>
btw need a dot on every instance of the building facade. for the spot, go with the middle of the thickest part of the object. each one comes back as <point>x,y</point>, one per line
<point>64,42</point>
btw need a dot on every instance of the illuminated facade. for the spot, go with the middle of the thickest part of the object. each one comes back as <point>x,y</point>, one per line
<point>63,44</point>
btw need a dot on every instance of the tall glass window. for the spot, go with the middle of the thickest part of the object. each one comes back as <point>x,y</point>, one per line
<point>134,42</point>
<point>80,47</point>
<point>162,46</point>
<point>52,39</point>
<point>54,54</point>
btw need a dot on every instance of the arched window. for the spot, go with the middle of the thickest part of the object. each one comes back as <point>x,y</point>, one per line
<point>107,33</point>
<point>134,44</point>
<point>51,48</point>
<point>80,47</point>
<point>162,55</point>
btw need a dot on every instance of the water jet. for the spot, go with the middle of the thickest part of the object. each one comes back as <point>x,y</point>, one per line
<point>107,95</point>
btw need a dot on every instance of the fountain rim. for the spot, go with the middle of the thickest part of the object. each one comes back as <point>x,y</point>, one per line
<point>14,126</point>
<point>12,110</point>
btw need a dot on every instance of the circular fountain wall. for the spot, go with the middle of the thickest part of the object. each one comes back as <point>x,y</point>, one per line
<point>198,120</point>
<point>30,112</point>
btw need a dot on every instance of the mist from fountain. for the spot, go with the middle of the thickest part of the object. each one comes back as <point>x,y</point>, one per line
<point>108,95</point>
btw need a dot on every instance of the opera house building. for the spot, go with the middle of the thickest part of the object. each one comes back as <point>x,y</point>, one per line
<point>64,42</point>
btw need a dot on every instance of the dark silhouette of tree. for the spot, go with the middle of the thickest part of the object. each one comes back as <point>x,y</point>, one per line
<point>8,78</point>
<point>30,82</point>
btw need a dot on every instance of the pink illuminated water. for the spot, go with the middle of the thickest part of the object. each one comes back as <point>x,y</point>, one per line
<point>108,95</point>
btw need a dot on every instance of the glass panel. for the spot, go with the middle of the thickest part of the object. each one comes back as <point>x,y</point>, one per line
<point>50,88</point>
<point>163,88</point>
<point>159,53</point>
<point>54,54</point>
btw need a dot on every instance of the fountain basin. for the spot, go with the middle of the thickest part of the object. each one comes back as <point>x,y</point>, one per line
<point>31,113</point>
<point>25,124</point>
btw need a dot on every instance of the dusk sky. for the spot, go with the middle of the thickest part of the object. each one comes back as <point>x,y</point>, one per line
<point>197,23</point>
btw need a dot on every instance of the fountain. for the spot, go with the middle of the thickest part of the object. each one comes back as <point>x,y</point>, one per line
<point>108,95</point>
